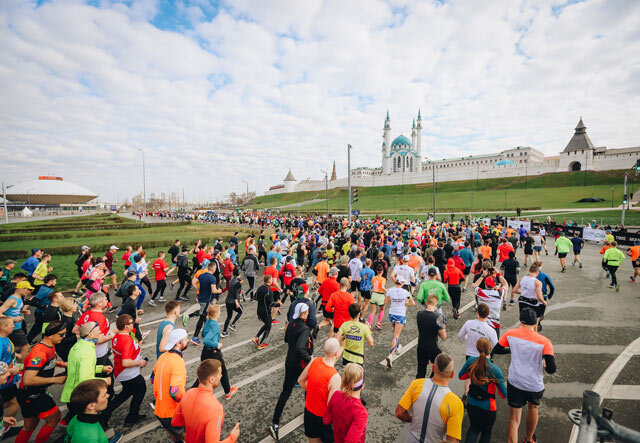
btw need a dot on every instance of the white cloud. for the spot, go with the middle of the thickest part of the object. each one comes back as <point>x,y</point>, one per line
<point>266,86</point>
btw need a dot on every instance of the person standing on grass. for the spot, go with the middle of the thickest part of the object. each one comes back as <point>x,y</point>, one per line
<point>345,410</point>
<point>200,412</point>
<point>212,349</point>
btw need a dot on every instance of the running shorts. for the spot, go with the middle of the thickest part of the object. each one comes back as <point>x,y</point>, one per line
<point>354,286</point>
<point>562,254</point>
<point>401,319</point>
<point>576,251</point>
<point>166,424</point>
<point>18,338</point>
<point>110,273</point>
<point>38,405</point>
<point>517,398</point>
<point>635,264</point>
<point>366,294</point>
<point>8,393</point>
<point>537,248</point>
<point>539,309</point>
<point>511,280</point>
<point>377,298</point>
<point>276,295</point>
<point>327,314</point>
<point>467,270</point>
<point>314,428</point>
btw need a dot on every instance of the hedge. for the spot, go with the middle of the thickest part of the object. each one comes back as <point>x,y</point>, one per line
<point>92,227</point>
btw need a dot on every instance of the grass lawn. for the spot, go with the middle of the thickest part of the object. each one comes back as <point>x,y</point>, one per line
<point>153,239</point>
<point>613,217</point>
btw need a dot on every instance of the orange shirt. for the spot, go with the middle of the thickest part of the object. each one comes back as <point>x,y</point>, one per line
<point>604,248</point>
<point>339,304</point>
<point>318,386</point>
<point>635,252</point>
<point>486,251</point>
<point>202,415</point>
<point>378,283</point>
<point>273,272</point>
<point>323,269</point>
<point>168,371</point>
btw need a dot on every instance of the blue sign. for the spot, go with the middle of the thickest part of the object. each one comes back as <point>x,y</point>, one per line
<point>113,208</point>
<point>355,212</point>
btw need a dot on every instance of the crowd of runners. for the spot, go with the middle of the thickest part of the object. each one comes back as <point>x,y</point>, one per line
<point>332,284</point>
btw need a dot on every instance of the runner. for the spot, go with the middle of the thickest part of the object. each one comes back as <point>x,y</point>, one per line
<point>431,325</point>
<point>161,271</point>
<point>378,293</point>
<point>398,299</point>
<point>404,271</point>
<point>613,258</point>
<point>352,335</point>
<point>346,411</point>
<point>578,244</point>
<point>264,297</point>
<point>453,276</point>
<point>250,266</point>
<point>433,287</point>
<point>184,274</point>
<point>563,245</point>
<point>89,398</point>
<point>530,290</point>
<point>531,353</point>
<point>208,292</point>
<point>436,412</point>
<point>493,297</point>
<point>14,308</point>
<point>634,253</point>
<point>338,305</point>
<point>355,265</point>
<point>511,268</point>
<point>538,242</point>
<point>366,279</point>
<point>232,303</point>
<point>172,312</point>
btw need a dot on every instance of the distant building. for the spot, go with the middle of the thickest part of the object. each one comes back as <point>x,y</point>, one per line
<point>402,162</point>
<point>48,190</point>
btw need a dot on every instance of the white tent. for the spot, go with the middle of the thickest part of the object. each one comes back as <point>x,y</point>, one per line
<point>26,212</point>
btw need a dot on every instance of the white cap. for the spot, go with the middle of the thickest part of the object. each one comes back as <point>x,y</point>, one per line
<point>177,335</point>
<point>85,247</point>
<point>405,258</point>
<point>114,247</point>
<point>252,248</point>
<point>300,308</point>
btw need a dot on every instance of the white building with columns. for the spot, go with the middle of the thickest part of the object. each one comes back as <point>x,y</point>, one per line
<point>402,162</point>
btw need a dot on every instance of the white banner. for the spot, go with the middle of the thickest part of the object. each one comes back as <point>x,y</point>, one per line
<point>596,235</point>
<point>515,224</point>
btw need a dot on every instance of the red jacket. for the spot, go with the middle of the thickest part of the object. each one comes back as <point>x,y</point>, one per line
<point>452,274</point>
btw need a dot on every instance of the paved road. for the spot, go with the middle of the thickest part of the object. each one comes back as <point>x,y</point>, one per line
<point>590,326</point>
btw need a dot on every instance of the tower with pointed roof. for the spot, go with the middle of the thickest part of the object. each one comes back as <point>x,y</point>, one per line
<point>289,182</point>
<point>419,142</point>
<point>386,145</point>
<point>334,176</point>
<point>578,154</point>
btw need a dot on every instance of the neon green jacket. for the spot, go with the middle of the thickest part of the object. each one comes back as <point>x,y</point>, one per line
<point>613,257</point>
<point>81,366</point>
<point>434,287</point>
<point>85,428</point>
<point>563,244</point>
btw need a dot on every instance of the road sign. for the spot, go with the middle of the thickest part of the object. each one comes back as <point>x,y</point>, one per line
<point>355,212</point>
<point>113,208</point>
<point>299,205</point>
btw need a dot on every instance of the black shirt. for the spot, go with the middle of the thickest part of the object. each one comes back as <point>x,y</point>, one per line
<point>510,266</point>
<point>429,324</point>
<point>174,251</point>
<point>264,297</point>
<point>234,291</point>
<point>343,271</point>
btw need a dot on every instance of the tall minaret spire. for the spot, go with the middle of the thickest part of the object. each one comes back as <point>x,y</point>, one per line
<point>333,173</point>
<point>419,142</point>
<point>386,145</point>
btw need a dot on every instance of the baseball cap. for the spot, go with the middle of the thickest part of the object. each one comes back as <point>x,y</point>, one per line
<point>13,262</point>
<point>490,282</point>
<point>130,274</point>
<point>405,258</point>
<point>24,285</point>
<point>205,263</point>
<point>300,308</point>
<point>175,336</point>
<point>528,316</point>
<point>432,271</point>
<point>114,247</point>
<point>85,247</point>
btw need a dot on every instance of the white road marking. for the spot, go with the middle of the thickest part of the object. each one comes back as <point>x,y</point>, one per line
<point>624,392</point>
<point>591,323</point>
<point>587,349</point>
<point>286,429</point>
<point>414,342</point>
<point>604,384</point>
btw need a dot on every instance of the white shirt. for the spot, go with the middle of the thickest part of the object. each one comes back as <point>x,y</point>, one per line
<point>473,330</point>
<point>398,298</point>
<point>404,271</point>
<point>355,265</point>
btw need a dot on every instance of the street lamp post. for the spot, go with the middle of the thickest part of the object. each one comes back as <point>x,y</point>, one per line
<point>326,190</point>
<point>611,197</point>
<point>144,184</point>
<point>247,194</point>
<point>349,181</point>
<point>433,171</point>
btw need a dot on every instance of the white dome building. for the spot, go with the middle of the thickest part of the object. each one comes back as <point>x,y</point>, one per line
<point>402,155</point>
<point>49,191</point>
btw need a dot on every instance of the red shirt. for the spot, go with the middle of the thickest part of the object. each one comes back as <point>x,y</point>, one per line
<point>103,325</point>
<point>159,265</point>
<point>504,249</point>
<point>125,257</point>
<point>273,272</point>
<point>202,415</point>
<point>327,288</point>
<point>453,275</point>
<point>42,359</point>
<point>339,304</point>
<point>108,259</point>
<point>288,273</point>
<point>348,416</point>
<point>125,347</point>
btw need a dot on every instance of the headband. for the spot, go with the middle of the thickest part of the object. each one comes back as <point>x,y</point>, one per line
<point>53,330</point>
<point>360,383</point>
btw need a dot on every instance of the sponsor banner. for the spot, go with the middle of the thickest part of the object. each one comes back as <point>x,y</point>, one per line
<point>626,238</point>
<point>515,224</point>
<point>591,234</point>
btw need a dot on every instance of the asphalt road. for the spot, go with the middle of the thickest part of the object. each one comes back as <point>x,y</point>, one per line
<point>590,325</point>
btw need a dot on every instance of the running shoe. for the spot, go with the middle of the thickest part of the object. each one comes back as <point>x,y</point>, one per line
<point>195,341</point>
<point>275,322</point>
<point>185,319</point>
<point>183,298</point>
<point>233,391</point>
<point>389,361</point>
<point>232,327</point>
<point>116,438</point>
<point>263,345</point>
<point>564,270</point>
<point>378,326</point>
<point>573,264</point>
<point>464,289</point>
<point>633,279</point>
<point>10,432</point>
<point>130,421</point>
<point>273,431</point>
<point>145,334</point>
<point>113,309</point>
<point>580,265</point>
<point>399,349</point>
<point>504,305</point>
<point>224,334</point>
<point>256,341</point>
<point>611,285</point>
<point>152,303</point>
<point>512,302</point>
<point>162,299</point>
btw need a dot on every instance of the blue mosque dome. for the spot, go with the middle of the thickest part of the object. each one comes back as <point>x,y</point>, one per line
<point>400,141</point>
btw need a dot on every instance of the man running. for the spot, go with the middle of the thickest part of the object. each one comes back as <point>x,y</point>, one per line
<point>338,305</point>
<point>563,245</point>
<point>172,312</point>
<point>431,325</point>
<point>634,253</point>
<point>531,353</point>
<point>578,244</point>
<point>352,335</point>
<point>530,290</point>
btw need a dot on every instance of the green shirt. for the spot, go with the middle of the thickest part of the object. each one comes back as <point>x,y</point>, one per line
<point>613,257</point>
<point>432,287</point>
<point>355,334</point>
<point>81,366</point>
<point>563,244</point>
<point>85,428</point>
<point>6,277</point>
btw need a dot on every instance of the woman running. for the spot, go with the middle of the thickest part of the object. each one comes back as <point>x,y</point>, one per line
<point>345,410</point>
<point>378,292</point>
<point>399,298</point>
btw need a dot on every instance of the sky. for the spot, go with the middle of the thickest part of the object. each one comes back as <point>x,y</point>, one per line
<point>219,92</point>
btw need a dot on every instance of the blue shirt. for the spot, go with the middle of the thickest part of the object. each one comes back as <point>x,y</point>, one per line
<point>30,265</point>
<point>546,280</point>
<point>494,372</point>
<point>206,279</point>
<point>232,255</point>
<point>211,334</point>
<point>270,255</point>
<point>366,277</point>
<point>467,257</point>
<point>159,335</point>
<point>137,268</point>
<point>15,311</point>
<point>7,355</point>
<point>43,297</point>
<point>578,243</point>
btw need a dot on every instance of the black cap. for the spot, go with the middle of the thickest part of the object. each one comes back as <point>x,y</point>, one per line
<point>528,316</point>
<point>130,274</point>
<point>433,271</point>
<point>185,248</point>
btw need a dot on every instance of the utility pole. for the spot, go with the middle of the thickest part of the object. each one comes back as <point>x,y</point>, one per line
<point>184,204</point>
<point>4,197</point>
<point>433,172</point>
<point>326,190</point>
<point>247,199</point>
<point>144,185</point>
<point>349,181</point>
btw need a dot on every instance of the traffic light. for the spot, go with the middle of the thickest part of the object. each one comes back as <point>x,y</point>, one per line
<point>355,196</point>
<point>624,199</point>
<point>638,165</point>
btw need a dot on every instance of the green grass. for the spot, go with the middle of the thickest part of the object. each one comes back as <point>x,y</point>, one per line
<point>558,190</point>
<point>612,217</point>
<point>153,239</point>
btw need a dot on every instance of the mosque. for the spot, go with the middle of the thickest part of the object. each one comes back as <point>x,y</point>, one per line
<point>402,162</point>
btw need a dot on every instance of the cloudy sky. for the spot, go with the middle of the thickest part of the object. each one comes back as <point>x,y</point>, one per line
<point>218,92</point>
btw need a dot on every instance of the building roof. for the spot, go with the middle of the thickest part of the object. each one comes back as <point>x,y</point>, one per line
<point>580,140</point>
<point>400,140</point>
<point>49,190</point>
<point>289,177</point>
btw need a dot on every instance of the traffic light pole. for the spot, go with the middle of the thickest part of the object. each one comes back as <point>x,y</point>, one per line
<point>349,181</point>
<point>624,193</point>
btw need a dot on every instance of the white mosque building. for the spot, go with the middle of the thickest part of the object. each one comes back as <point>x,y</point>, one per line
<point>403,163</point>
